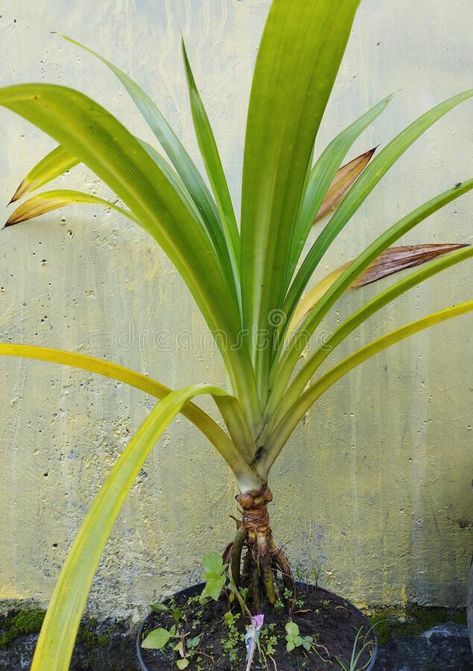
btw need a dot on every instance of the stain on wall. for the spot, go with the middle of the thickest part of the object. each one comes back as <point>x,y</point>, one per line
<point>374,491</point>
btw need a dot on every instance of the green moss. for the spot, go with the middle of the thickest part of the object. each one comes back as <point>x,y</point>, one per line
<point>20,623</point>
<point>89,636</point>
<point>412,620</point>
<point>23,622</point>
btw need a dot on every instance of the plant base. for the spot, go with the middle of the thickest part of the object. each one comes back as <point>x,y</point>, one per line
<point>332,622</point>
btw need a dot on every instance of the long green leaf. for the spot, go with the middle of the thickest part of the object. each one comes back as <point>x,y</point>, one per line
<point>55,200</point>
<point>178,156</point>
<point>58,161</point>
<point>174,179</point>
<point>322,175</point>
<point>100,141</point>
<point>284,369</point>
<point>292,418</point>
<point>213,165</point>
<point>54,164</point>
<point>298,59</point>
<point>359,317</point>
<point>360,191</point>
<point>201,419</point>
<point>54,649</point>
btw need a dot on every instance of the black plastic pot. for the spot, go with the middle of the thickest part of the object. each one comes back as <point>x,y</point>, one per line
<point>197,589</point>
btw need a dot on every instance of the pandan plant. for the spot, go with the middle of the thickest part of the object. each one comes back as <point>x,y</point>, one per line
<point>252,279</point>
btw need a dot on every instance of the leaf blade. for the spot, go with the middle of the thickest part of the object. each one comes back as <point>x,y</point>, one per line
<point>447,259</point>
<point>115,371</point>
<point>173,147</point>
<point>48,201</point>
<point>283,369</point>
<point>373,173</point>
<point>59,630</point>
<point>54,164</point>
<point>213,164</point>
<point>391,261</point>
<point>321,175</point>
<point>306,400</point>
<point>92,134</point>
<point>298,59</point>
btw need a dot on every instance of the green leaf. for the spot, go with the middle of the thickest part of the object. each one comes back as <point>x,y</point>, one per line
<point>156,639</point>
<point>213,563</point>
<point>213,165</point>
<point>316,359</point>
<point>290,646</point>
<point>292,628</point>
<point>389,262</point>
<point>322,174</point>
<point>182,663</point>
<point>54,649</point>
<point>310,396</point>
<point>360,191</point>
<point>100,141</point>
<point>54,164</point>
<point>213,587</point>
<point>284,369</point>
<point>298,59</point>
<point>147,384</point>
<point>178,155</point>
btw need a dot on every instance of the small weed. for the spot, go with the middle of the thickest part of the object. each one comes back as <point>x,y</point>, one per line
<point>361,645</point>
<point>231,642</point>
<point>214,576</point>
<point>295,640</point>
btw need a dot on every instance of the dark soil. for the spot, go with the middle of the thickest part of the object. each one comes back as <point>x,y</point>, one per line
<point>330,620</point>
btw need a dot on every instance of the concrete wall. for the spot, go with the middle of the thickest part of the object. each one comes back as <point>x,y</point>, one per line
<point>374,490</point>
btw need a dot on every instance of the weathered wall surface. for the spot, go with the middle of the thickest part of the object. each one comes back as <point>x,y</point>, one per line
<point>374,491</point>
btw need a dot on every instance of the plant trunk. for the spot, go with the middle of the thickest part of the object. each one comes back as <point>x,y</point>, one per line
<point>255,560</point>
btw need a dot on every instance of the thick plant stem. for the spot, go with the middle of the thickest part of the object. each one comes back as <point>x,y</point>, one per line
<point>263,559</point>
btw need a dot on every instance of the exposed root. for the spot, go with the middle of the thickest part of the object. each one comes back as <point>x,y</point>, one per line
<point>235,560</point>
